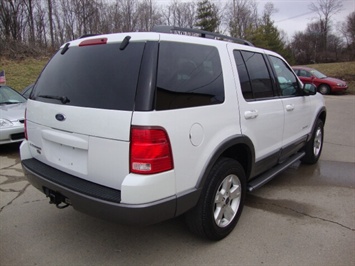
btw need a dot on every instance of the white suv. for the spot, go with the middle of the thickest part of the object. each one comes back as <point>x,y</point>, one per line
<point>142,127</point>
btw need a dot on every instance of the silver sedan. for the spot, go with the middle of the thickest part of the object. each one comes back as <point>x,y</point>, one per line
<point>12,115</point>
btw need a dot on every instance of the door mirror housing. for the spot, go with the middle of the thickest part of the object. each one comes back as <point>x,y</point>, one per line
<point>309,89</point>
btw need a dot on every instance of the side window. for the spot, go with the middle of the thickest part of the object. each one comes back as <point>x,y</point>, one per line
<point>189,75</point>
<point>301,73</point>
<point>308,74</point>
<point>254,75</point>
<point>243,76</point>
<point>304,73</point>
<point>287,80</point>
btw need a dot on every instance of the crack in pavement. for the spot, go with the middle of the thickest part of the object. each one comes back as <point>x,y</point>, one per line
<point>12,190</point>
<point>275,206</point>
<point>339,144</point>
<point>315,217</point>
<point>10,166</point>
<point>12,179</point>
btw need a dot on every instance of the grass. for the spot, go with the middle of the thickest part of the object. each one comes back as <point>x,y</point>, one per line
<point>21,73</point>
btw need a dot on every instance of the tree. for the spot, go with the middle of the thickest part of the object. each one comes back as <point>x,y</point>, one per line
<point>325,10</point>
<point>335,45</point>
<point>181,14</point>
<point>302,50</point>
<point>40,25</point>
<point>29,7</point>
<point>207,16</point>
<point>350,27</point>
<point>11,19</point>
<point>50,19</point>
<point>348,31</point>
<point>266,34</point>
<point>35,26</point>
<point>241,16</point>
<point>147,15</point>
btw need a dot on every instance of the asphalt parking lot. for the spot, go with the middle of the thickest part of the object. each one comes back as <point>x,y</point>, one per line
<point>305,216</point>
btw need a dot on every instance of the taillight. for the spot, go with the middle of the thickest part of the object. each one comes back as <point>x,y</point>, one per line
<point>25,124</point>
<point>150,150</point>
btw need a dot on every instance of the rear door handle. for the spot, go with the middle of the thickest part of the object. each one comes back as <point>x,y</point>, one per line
<point>251,114</point>
<point>290,107</point>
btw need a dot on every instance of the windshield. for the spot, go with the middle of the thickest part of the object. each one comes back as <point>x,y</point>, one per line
<point>318,74</point>
<point>10,96</point>
<point>94,76</point>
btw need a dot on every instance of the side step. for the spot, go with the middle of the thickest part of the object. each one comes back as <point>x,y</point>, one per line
<point>266,177</point>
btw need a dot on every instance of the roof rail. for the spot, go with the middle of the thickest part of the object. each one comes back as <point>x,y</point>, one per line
<point>201,33</point>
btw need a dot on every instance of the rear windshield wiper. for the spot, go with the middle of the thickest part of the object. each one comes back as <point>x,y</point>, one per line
<point>63,99</point>
<point>9,102</point>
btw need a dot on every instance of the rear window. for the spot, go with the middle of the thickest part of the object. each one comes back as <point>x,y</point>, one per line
<point>189,75</point>
<point>95,76</point>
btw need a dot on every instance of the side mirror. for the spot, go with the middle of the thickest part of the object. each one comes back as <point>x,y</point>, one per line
<point>309,89</point>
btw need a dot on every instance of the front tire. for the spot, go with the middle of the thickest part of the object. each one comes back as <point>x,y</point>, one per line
<point>324,89</point>
<point>221,201</point>
<point>314,146</point>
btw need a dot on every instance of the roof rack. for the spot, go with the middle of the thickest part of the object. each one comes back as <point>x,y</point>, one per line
<point>88,35</point>
<point>201,33</point>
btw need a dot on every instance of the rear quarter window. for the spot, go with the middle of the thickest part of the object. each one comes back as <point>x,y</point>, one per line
<point>189,75</point>
<point>96,76</point>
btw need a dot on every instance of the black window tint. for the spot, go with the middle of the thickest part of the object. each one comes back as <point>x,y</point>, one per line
<point>97,76</point>
<point>188,75</point>
<point>259,75</point>
<point>287,80</point>
<point>243,76</point>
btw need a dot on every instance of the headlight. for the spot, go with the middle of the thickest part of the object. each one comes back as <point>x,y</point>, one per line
<point>5,123</point>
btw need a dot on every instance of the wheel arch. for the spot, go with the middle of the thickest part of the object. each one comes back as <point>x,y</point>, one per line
<point>239,148</point>
<point>322,115</point>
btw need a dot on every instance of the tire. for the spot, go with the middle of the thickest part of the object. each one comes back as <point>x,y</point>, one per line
<point>314,146</point>
<point>221,202</point>
<point>324,89</point>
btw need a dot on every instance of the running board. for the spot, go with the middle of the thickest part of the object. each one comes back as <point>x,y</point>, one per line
<point>266,177</point>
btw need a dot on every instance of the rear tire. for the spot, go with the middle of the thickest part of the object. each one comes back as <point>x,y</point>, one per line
<point>221,202</point>
<point>314,146</point>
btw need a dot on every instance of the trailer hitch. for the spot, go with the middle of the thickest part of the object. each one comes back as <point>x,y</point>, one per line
<point>56,198</point>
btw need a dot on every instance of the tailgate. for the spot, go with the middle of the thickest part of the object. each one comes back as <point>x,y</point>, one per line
<point>92,144</point>
<point>79,113</point>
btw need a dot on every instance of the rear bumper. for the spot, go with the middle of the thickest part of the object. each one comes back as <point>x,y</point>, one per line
<point>97,200</point>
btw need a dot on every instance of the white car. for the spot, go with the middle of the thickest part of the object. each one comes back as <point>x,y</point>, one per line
<point>142,127</point>
<point>12,115</point>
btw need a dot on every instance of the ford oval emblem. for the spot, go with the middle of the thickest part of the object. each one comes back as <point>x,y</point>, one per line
<point>60,117</point>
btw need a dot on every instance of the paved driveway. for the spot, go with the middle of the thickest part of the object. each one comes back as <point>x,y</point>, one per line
<point>305,216</point>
